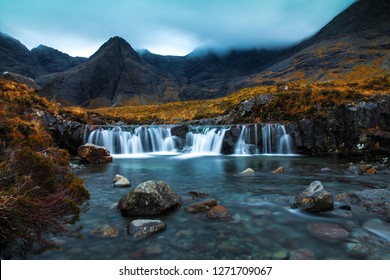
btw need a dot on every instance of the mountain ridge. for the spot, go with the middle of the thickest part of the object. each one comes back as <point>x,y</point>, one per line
<point>351,47</point>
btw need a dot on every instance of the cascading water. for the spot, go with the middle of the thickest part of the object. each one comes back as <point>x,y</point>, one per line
<point>205,140</point>
<point>199,140</point>
<point>276,140</point>
<point>135,140</point>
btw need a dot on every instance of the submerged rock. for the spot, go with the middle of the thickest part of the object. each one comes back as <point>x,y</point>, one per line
<point>218,212</point>
<point>302,254</point>
<point>247,172</point>
<point>198,194</point>
<point>328,231</point>
<point>315,198</point>
<point>376,201</point>
<point>105,231</point>
<point>201,206</point>
<point>121,182</point>
<point>90,153</point>
<point>143,228</point>
<point>279,170</point>
<point>150,198</point>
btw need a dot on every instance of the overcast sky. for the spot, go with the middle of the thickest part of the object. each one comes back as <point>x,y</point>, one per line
<point>175,27</point>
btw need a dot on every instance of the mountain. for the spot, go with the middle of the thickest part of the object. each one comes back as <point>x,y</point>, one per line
<point>16,58</point>
<point>114,75</point>
<point>52,60</point>
<point>353,46</point>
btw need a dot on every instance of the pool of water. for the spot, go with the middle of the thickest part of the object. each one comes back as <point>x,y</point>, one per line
<point>262,225</point>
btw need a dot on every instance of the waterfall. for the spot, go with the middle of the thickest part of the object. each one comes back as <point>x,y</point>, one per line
<point>135,140</point>
<point>198,140</point>
<point>205,140</point>
<point>242,148</point>
<point>276,139</point>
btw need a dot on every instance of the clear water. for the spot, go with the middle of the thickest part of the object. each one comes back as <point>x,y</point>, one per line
<point>262,226</point>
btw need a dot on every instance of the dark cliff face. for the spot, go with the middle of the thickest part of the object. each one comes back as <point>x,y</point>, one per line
<point>114,75</point>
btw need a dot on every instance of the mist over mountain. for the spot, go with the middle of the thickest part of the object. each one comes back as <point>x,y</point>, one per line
<point>353,46</point>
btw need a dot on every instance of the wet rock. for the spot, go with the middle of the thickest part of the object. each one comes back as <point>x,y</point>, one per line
<point>315,198</point>
<point>355,170</point>
<point>376,201</point>
<point>105,231</point>
<point>328,231</point>
<point>150,198</point>
<point>302,254</point>
<point>201,206</point>
<point>247,172</point>
<point>198,194</point>
<point>121,182</point>
<point>279,170</point>
<point>218,212</point>
<point>90,153</point>
<point>358,250</point>
<point>180,131</point>
<point>142,228</point>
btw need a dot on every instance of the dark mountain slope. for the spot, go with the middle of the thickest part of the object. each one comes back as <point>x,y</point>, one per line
<point>15,57</point>
<point>52,60</point>
<point>114,75</point>
<point>353,46</point>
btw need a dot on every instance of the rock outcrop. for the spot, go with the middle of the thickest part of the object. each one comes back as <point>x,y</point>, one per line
<point>150,198</point>
<point>90,153</point>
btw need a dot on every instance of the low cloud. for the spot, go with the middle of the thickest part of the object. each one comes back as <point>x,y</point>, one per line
<point>166,27</point>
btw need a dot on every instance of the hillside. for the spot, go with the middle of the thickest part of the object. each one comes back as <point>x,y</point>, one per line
<point>355,45</point>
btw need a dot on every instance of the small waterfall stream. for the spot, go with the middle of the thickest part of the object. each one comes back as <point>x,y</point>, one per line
<point>270,139</point>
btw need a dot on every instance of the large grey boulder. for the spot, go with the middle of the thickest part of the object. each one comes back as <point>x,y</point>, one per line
<point>314,198</point>
<point>150,198</point>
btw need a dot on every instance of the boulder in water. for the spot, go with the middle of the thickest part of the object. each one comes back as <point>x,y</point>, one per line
<point>247,172</point>
<point>314,198</point>
<point>150,198</point>
<point>143,228</point>
<point>121,182</point>
<point>218,212</point>
<point>279,170</point>
<point>91,153</point>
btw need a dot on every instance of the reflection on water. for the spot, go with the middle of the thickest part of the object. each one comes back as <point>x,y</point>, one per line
<point>263,225</point>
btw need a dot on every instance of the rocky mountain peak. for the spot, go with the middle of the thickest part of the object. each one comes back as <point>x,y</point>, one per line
<point>117,46</point>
